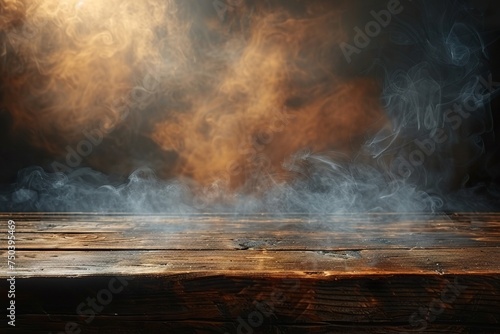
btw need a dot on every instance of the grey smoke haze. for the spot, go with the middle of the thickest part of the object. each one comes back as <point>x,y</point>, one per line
<point>436,92</point>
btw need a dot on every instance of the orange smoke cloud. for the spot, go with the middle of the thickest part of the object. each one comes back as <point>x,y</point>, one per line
<point>231,97</point>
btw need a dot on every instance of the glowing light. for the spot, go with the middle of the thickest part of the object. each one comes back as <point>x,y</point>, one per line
<point>224,98</point>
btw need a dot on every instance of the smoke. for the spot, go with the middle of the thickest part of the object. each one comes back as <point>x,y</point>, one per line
<point>249,107</point>
<point>437,97</point>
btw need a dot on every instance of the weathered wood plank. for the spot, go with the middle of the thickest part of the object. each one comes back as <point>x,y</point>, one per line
<point>257,263</point>
<point>343,232</point>
<point>406,302</point>
<point>125,326</point>
<point>84,222</point>
<point>255,240</point>
<point>204,273</point>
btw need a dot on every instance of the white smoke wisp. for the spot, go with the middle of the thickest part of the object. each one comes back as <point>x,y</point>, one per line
<point>433,112</point>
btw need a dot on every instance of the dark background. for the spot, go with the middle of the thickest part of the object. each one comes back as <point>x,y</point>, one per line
<point>16,153</point>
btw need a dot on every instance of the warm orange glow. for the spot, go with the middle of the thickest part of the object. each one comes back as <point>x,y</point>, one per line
<point>229,96</point>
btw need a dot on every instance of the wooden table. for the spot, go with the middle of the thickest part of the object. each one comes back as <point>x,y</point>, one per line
<point>351,273</point>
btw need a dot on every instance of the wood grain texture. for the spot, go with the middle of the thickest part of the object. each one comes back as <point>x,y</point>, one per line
<point>370,273</point>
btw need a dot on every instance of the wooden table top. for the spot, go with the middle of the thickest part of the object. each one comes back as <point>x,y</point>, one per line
<point>358,244</point>
<point>369,272</point>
